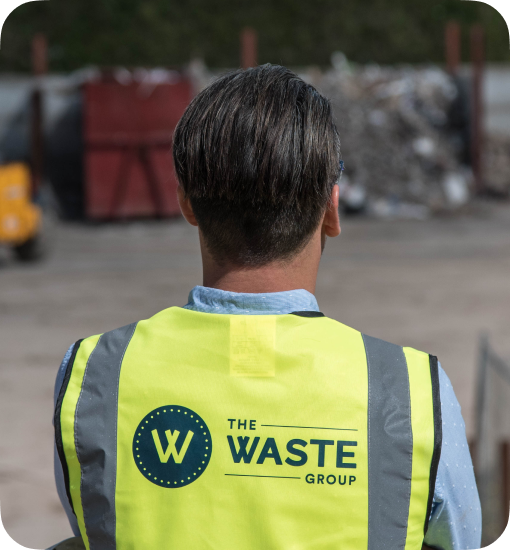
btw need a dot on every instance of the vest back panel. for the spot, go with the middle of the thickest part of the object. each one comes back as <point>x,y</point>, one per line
<point>193,430</point>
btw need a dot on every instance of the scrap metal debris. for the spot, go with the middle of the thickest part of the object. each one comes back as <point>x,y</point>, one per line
<point>497,165</point>
<point>402,156</point>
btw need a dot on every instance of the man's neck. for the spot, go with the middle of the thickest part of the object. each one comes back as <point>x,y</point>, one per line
<point>299,272</point>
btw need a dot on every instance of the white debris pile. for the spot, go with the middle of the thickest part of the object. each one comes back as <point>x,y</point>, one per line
<point>401,159</point>
<point>496,164</point>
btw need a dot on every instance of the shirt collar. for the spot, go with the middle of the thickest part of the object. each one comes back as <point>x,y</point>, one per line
<point>213,300</point>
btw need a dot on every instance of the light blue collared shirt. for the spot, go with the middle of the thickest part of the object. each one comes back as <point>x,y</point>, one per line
<point>455,521</point>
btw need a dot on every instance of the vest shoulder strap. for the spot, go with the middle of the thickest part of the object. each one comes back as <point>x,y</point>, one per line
<point>404,438</point>
<point>84,426</point>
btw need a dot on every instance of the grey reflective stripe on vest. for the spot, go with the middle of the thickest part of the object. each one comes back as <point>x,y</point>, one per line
<point>95,435</point>
<point>390,445</point>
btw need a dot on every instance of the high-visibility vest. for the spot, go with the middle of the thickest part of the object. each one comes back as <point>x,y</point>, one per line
<point>193,431</point>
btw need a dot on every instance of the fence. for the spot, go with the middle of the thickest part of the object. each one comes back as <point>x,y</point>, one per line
<point>491,451</point>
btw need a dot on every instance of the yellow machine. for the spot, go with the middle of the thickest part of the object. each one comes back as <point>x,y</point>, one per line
<point>20,219</point>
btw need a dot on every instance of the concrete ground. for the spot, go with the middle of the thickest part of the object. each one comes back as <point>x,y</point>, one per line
<point>433,285</point>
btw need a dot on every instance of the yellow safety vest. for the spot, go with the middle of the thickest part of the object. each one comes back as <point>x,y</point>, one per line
<point>193,431</point>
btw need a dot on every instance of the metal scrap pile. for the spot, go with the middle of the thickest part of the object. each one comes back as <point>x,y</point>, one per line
<point>400,153</point>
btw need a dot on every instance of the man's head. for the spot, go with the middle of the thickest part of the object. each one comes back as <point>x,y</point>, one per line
<point>257,155</point>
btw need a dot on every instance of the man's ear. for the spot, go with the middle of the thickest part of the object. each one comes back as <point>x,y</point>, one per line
<point>185,206</point>
<point>331,223</point>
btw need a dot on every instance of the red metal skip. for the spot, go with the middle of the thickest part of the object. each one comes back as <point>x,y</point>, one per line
<point>128,148</point>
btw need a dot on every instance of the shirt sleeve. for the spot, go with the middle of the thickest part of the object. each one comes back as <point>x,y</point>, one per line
<point>456,518</point>
<point>59,474</point>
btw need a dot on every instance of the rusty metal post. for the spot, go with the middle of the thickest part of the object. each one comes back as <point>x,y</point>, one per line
<point>505,481</point>
<point>452,47</point>
<point>39,55</point>
<point>248,48</point>
<point>39,68</point>
<point>477,115</point>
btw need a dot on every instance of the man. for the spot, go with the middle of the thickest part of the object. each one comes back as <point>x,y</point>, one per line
<point>247,419</point>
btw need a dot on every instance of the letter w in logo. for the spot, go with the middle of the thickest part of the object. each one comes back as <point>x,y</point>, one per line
<point>243,453</point>
<point>171,450</point>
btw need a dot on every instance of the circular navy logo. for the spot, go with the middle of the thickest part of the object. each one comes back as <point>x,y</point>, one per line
<point>172,446</point>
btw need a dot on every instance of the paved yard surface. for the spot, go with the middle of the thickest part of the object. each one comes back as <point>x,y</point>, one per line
<point>433,285</point>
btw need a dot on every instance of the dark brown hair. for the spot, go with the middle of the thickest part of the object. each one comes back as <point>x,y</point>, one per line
<point>257,154</point>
